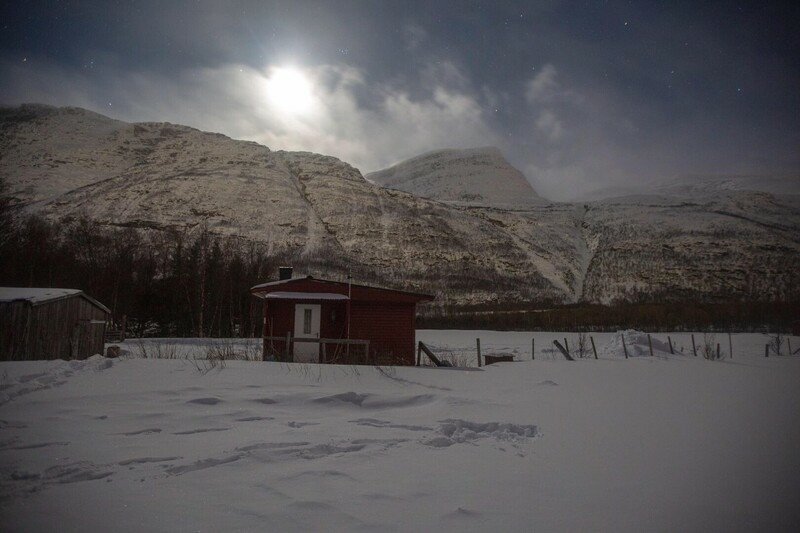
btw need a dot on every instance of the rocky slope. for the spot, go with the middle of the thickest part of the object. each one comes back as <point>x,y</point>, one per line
<point>322,215</point>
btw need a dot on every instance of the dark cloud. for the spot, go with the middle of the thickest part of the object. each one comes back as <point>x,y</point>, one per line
<point>577,96</point>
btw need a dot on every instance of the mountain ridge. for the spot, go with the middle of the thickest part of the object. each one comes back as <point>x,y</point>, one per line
<point>322,214</point>
<point>472,176</point>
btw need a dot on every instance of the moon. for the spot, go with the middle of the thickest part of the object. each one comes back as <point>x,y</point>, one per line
<point>290,90</point>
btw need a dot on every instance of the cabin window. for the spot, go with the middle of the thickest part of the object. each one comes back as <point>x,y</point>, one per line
<point>306,321</point>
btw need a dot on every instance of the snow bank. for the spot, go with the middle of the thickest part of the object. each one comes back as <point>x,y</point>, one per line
<point>610,445</point>
<point>636,343</point>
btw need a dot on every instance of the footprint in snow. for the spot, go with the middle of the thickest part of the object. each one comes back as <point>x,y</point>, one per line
<point>346,397</point>
<point>463,514</point>
<point>212,400</point>
<point>316,475</point>
<point>373,422</point>
<point>146,431</point>
<point>202,464</point>
<point>142,460</point>
<point>28,377</point>
<point>39,445</point>
<point>11,425</point>
<point>254,418</point>
<point>201,430</point>
<point>293,424</point>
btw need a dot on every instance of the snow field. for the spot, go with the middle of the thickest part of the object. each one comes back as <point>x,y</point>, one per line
<point>668,442</point>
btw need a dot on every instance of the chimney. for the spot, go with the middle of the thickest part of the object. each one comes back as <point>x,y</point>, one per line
<point>284,273</point>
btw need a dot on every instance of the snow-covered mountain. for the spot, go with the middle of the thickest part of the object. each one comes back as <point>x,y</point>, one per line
<point>477,176</point>
<point>321,214</point>
<point>696,187</point>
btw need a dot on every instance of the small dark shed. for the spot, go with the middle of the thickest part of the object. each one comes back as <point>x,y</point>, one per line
<point>337,322</point>
<point>50,324</point>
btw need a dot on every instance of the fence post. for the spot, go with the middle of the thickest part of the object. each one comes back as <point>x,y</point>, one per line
<point>263,349</point>
<point>288,346</point>
<point>419,353</point>
<point>322,354</point>
<point>566,354</point>
<point>533,349</point>
<point>766,350</point>
<point>478,342</point>
<point>789,341</point>
<point>669,340</point>
<point>623,345</point>
<point>694,348</point>
<point>717,350</point>
<point>566,345</point>
<point>650,342</point>
<point>593,348</point>
<point>730,345</point>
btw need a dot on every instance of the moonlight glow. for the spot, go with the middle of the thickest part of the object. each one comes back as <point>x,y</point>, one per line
<point>289,90</point>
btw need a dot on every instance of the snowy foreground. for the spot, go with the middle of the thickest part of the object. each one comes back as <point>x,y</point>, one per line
<point>648,443</point>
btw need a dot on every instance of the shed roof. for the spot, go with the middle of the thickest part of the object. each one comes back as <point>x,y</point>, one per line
<point>41,295</point>
<point>357,292</point>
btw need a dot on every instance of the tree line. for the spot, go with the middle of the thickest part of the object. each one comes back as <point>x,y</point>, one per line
<point>167,283</point>
<point>190,282</point>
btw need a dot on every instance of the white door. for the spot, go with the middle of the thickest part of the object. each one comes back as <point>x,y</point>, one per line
<point>306,325</point>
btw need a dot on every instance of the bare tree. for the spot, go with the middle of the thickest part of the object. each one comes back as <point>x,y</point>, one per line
<point>776,343</point>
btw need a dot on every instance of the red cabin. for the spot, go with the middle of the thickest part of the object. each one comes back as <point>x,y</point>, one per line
<point>316,320</point>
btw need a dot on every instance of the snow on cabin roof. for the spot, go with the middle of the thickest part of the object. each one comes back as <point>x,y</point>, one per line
<point>36,295</point>
<point>272,283</point>
<point>258,290</point>
<point>304,296</point>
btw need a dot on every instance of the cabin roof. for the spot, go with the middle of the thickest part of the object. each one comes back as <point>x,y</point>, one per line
<point>284,295</point>
<point>310,285</point>
<point>41,295</point>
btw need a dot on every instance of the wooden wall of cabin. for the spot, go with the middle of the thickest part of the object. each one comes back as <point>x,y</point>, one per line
<point>388,327</point>
<point>70,328</point>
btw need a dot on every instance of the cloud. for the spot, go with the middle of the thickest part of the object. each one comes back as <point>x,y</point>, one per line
<point>368,125</point>
<point>549,124</point>
<point>414,36</point>
<point>544,86</point>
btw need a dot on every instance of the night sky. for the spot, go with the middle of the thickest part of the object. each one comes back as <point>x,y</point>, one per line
<point>578,95</point>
